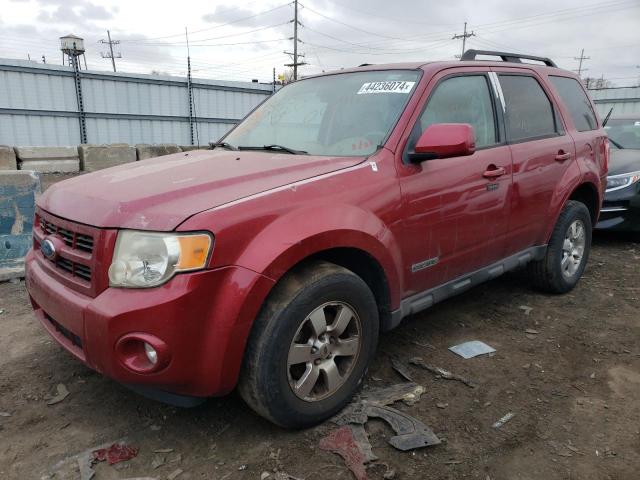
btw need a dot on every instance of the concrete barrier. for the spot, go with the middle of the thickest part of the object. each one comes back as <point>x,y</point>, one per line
<point>188,148</point>
<point>48,159</point>
<point>7,158</point>
<point>97,157</point>
<point>149,151</point>
<point>18,190</point>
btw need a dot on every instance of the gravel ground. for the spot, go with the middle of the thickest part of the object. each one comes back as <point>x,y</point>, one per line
<point>574,388</point>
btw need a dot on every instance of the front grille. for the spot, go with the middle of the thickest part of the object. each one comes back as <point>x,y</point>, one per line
<point>72,239</point>
<point>80,244</point>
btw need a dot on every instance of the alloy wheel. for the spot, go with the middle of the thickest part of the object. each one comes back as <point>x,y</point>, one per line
<point>324,351</point>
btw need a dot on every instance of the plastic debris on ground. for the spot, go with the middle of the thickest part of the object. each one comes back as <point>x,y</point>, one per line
<point>472,349</point>
<point>503,420</point>
<point>411,433</point>
<point>352,444</point>
<point>61,395</point>
<point>399,367</point>
<point>409,393</point>
<point>116,453</point>
<point>441,372</point>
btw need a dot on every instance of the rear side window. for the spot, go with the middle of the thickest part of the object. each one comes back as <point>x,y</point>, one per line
<point>529,112</point>
<point>464,99</point>
<point>577,102</point>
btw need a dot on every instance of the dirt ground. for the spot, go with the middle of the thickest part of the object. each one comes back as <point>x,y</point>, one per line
<point>574,388</point>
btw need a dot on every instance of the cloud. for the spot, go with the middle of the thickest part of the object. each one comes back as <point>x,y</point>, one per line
<point>244,17</point>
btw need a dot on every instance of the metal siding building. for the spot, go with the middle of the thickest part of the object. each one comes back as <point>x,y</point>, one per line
<point>623,100</point>
<point>38,106</point>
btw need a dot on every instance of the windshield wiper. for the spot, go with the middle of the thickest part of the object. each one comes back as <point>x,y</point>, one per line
<point>226,145</point>
<point>280,148</point>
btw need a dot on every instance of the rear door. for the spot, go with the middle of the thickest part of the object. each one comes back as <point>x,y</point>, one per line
<point>541,150</point>
<point>455,209</point>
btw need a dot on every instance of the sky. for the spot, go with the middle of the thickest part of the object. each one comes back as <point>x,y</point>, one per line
<point>243,41</point>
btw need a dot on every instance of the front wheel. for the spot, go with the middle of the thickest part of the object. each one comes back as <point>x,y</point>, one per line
<point>310,345</point>
<point>567,252</point>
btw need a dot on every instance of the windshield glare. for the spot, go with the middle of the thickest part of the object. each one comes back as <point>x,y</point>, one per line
<point>347,114</point>
<point>625,133</point>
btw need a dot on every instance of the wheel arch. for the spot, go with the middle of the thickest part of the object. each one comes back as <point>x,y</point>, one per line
<point>587,193</point>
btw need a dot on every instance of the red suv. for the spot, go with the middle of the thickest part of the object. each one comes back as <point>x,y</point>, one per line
<point>338,207</point>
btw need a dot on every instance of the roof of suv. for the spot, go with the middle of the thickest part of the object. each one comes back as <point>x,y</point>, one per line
<point>468,60</point>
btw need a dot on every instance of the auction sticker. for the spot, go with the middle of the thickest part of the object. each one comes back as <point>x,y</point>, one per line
<point>386,87</point>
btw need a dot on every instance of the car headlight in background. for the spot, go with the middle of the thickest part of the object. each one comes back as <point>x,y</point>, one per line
<point>616,182</point>
<point>148,259</point>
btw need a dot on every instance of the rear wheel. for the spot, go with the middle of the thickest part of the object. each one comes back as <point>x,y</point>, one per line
<point>310,346</point>
<point>567,252</point>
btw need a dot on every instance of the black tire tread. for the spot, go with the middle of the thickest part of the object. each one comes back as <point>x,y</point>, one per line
<point>285,291</point>
<point>543,273</point>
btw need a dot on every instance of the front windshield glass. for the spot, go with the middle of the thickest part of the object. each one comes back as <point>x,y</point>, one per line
<point>347,114</point>
<point>625,132</point>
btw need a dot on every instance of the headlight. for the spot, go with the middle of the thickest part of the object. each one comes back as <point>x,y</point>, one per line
<point>148,259</point>
<point>616,182</point>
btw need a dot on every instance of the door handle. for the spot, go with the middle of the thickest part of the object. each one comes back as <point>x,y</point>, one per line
<point>562,156</point>
<point>494,172</point>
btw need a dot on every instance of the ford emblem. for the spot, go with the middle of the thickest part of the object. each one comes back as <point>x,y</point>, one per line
<point>48,249</point>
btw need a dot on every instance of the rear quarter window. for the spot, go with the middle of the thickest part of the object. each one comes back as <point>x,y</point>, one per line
<point>573,96</point>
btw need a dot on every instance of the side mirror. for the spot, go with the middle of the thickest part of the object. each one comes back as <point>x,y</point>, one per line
<point>444,140</point>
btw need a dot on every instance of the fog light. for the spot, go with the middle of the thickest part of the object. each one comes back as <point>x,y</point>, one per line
<point>151,353</point>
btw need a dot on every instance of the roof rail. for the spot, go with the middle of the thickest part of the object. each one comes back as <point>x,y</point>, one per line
<point>506,57</point>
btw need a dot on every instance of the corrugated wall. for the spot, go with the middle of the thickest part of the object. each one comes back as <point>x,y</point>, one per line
<point>624,100</point>
<point>38,106</point>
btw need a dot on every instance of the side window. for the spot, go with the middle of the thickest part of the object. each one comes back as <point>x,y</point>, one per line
<point>464,99</point>
<point>576,101</point>
<point>529,112</point>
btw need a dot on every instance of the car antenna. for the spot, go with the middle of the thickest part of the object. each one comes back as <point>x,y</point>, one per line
<point>606,119</point>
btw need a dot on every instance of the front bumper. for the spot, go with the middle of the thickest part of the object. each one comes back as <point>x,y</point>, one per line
<point>203,319</point>
<point>621,210</point>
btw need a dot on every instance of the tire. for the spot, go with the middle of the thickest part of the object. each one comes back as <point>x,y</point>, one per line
<point>272,383</point>
<point>555,273</point>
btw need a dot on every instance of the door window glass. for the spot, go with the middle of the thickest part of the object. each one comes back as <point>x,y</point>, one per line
<point>464,99</point>
<point>529,112</point>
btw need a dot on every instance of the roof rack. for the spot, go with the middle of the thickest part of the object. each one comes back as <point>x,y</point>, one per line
<point>506,57</point>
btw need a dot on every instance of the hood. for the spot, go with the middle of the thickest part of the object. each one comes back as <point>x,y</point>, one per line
<point>160,193</point>
<point>624,161</point>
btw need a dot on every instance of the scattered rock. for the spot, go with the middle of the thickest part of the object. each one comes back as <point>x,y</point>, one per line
<point>442,405</point>
<point>503,420</point>
<point>525,309</point>
<point>158,461</point>
<point>175,474</point>
<point>62,394</point>
<point>531,331</point>
<point>5,414</point>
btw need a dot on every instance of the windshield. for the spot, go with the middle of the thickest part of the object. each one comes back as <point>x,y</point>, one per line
<point>625,132</point>
<point>347,114</point>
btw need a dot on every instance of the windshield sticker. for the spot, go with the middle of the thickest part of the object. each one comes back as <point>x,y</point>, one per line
<point>386,87</point>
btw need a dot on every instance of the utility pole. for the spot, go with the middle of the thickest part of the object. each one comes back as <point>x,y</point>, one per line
<point>464,37</point>
<point>110,54</point>
<point>189,88</point>
<point>581,58</point>
<point>295,53</point>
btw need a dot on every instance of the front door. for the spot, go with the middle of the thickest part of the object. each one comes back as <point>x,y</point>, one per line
<point>456,209</point>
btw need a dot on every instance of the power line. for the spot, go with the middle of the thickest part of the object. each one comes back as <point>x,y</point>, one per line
<point>110,54</point>
<point>464,37</point>
<point>581,58</point>
<point>143,39</point>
